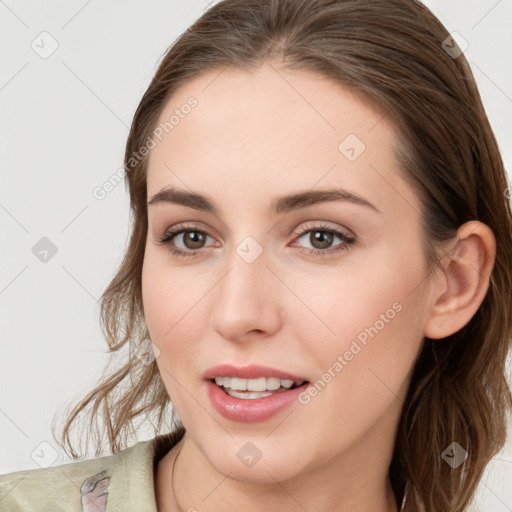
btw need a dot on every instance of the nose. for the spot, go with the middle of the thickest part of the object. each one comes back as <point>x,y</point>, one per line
<point>246,301</point>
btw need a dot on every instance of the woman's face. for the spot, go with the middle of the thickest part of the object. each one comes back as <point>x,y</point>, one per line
<point>267,281</point>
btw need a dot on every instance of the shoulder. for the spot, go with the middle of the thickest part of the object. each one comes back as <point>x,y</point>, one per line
<point>100,485</point>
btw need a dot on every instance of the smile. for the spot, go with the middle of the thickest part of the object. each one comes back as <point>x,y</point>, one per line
<point>250,389</point>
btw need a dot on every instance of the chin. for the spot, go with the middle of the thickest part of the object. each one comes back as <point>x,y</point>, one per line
<point>255,461</point>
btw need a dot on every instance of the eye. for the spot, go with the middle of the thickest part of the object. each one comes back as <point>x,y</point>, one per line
<point>321,237</point>
<point>192,238</point>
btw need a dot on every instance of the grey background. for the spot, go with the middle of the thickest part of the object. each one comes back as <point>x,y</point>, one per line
<point>65,120</point>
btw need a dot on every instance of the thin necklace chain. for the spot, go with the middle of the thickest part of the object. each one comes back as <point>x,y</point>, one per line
<point>172,480</point>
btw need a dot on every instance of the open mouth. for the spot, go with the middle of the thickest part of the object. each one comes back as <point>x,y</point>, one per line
<point>255,388</point>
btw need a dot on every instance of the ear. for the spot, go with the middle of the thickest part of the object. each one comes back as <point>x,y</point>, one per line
<point>461,288</point>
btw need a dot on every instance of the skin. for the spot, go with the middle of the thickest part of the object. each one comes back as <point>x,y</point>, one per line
<point>252,137</point>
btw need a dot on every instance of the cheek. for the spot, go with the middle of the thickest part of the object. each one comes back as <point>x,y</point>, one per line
<point>376,314</point>
<point>172,310</point>
<point>369,295</point>
<point>169,296</point>
<point>176,312</point>
<point>366,378</point>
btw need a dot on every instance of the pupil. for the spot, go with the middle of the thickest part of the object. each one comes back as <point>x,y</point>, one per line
<point>195,238</point>
<point>322,237</point>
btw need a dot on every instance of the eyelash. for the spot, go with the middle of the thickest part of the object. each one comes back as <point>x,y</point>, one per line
<point>169,236</point>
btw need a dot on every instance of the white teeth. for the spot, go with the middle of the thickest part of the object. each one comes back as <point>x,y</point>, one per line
<point>273,383</point>
<point>236,383</point>
<point>252,384</point>
<point>247,394</point>
<point>260,384</point>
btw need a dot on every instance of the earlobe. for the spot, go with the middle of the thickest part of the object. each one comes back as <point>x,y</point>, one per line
<point>462,288</point>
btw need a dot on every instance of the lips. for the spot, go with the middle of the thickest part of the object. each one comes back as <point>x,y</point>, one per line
<point>251,406</point>
<point>249,372</point>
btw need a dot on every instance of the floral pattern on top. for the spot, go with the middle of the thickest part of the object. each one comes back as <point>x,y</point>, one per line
<point>93,491</point>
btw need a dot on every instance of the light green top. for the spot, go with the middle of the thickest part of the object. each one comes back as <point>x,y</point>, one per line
<point>123,482</point>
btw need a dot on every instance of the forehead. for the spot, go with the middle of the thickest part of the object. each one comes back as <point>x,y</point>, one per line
<point>272,129</point>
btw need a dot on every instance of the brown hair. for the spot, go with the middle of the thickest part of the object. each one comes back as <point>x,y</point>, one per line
<point>391,53</point>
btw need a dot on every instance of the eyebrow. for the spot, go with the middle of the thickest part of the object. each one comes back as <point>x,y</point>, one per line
<point>281,204</point>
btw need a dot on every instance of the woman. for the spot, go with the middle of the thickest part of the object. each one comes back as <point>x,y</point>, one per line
<point>319,265</point>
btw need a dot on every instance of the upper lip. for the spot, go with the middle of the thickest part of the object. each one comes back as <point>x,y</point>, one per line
<point>254,371</point>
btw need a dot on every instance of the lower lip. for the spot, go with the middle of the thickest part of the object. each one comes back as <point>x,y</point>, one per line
<point>251,410</point>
